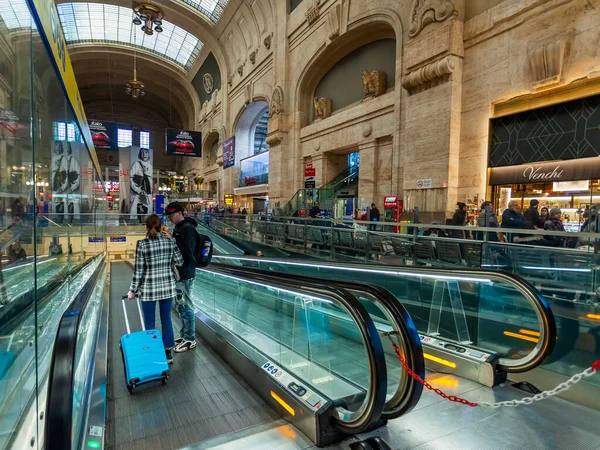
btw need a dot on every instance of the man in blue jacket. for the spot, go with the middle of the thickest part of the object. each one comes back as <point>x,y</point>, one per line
<point>512,218</point>
<point>185,236</point>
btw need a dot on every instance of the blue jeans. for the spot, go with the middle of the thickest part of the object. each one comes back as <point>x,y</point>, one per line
<point>186,309</point>
<point>149,310</point>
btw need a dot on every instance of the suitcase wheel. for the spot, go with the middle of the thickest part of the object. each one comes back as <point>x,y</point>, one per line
<point>131,388</point>
<point>164,381</point>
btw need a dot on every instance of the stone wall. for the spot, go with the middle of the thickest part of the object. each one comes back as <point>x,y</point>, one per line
<point>431,123</point>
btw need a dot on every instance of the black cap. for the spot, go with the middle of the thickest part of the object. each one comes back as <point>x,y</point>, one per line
<point>172,208</point>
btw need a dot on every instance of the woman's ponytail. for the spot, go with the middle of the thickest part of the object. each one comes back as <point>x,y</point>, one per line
<point>153,226</point>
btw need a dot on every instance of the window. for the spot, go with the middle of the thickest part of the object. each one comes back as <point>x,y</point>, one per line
<point>260,134</point>
<point>212,9</point>
<point>60,131</point>
<point>70,132</point>
<point>97,22</point>
<point>144,139</point>
<point>15,14</point>
<point>125,138</point>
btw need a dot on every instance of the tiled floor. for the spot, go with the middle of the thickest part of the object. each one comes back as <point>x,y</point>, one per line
<point>203,399</point>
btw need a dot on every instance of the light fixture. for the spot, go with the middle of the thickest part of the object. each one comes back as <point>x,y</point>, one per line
<point>149,15</point>
<point>134,87</point>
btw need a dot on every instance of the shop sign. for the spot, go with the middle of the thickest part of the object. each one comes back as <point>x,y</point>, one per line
<point>575,169</point>
<point>229,199</point>
<point>118,239</point>
<point>310,177</point>
<point>95,239</point>
<point>249,181</point>
<point>425,183</point>
<point>390,202</point>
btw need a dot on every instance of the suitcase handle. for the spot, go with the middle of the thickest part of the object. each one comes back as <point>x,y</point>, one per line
<point>137,301</point>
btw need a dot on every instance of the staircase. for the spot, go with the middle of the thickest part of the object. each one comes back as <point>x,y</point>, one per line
<point>325,195</point>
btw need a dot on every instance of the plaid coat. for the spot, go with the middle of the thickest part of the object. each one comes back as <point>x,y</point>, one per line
<point>153,273</point>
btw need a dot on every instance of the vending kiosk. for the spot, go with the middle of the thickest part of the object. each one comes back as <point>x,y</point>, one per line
<point>392,208</point>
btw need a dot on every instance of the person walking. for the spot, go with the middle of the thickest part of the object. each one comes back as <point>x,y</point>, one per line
<point>532,216</point>
<point>459,219</point>
<point>315,210</point>
<point>154,279</point>
<point>512,218</point>
<point>374,216</point>
<point>185,236</point>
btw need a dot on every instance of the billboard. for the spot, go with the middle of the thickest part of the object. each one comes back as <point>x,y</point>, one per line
<point>104,134</point>
<point>310,174</point>
<point>184,143</point>
<point>229,152</point>
<point>140,182</point>
<point>66,180</point>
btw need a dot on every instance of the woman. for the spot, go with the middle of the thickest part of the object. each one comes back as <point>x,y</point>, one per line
<point>544,215</point>
<point>460,219</point>
<point>154,279</point>
<point>141,185</point>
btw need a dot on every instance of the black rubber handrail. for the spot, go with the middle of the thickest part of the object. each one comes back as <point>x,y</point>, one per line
<point>58,432</point>
<point>372,343</point>
<point>409,391</point>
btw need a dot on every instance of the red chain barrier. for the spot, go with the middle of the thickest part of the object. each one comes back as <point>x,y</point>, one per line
<point>452,398</point>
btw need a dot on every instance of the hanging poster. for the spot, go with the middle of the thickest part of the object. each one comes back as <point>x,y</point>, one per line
<point>104,134</point>
<point>140,183</point>
<point>310,175</point>
<point>229,152</point>
<point>124,170</point>
<point>184,143</point>
<point>66,180</point>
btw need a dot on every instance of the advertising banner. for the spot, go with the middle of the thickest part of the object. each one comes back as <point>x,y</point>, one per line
<point>140,182</point>
<point>65,179</point>
<point>229,152</point>
<point>46,18</point>
<point>184,143</point>
<point>105,135</point>
<point>124,169</point>
<point>310,174</point>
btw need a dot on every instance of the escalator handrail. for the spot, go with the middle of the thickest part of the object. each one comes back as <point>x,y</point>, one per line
<point>372,342</point>
<point>58,431</point>
<point>407,395</point>
<point>537,302</point>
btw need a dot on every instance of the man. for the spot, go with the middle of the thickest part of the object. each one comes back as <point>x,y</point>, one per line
<point>185,236</point>
<point>554,223</point>
<point>373,216</point>
<point>532,216</point>
<point>315,210</point>
<point>16,252</point>
<point>512,217</point>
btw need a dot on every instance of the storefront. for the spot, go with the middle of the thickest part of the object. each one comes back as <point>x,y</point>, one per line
<point>551,154</point>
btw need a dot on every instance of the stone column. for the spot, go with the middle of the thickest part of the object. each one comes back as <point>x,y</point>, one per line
<point>367,173</point>
<point>433,77</point>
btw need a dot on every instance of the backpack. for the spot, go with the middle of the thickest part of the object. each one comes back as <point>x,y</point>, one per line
<point>204,250</point>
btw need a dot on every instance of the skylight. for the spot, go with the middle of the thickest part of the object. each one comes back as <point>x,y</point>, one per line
<point>97,22</point>
<point>213,9</point>
<point>15,14</point>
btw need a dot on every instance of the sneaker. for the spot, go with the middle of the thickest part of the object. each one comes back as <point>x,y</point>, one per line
<point>185,346</point>
<point>169,354</point>
<point>178,341</point>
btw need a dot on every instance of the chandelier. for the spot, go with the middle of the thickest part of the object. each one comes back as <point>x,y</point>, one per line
<point>134,87</point>
<point>148,15</point>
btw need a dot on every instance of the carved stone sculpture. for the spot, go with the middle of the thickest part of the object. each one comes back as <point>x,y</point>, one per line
<point>312,12</point>
<point>267,42</point>
<point>334,21</point>
<point>546,64</point>
<point>252,57</point>
<point>322,108</point>
<point>374,83</point>
<point>276,106</point>
<point>424,12</point>
<point>230,80</point>
<point>240,70</point>
<point>430,75</point>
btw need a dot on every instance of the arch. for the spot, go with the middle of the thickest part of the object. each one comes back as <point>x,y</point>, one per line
<point>374,25</point>
<point>245,128</point>
<point>210,147</point>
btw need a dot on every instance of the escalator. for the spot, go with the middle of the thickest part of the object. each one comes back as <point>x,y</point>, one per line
<point>480,325</point>
<point>305,352</point>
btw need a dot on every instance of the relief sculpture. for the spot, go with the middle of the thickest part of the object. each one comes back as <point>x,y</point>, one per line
<point>374,83</point>
<point>322,108</point>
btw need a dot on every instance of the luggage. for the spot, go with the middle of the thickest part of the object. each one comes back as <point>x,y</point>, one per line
<point>143,353</point>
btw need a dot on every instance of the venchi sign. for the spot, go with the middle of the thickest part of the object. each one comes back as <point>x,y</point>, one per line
<point>574,169</point>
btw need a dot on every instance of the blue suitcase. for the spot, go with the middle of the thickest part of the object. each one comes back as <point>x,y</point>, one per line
<point>7,358</point>
<point>143,353</point>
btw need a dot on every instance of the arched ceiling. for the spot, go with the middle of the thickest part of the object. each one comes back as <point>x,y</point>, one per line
<point>101,45</point>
